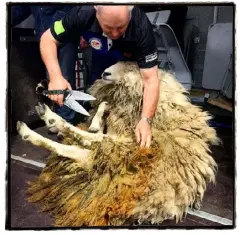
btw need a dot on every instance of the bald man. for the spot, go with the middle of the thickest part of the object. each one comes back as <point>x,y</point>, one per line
<point>116,33</point>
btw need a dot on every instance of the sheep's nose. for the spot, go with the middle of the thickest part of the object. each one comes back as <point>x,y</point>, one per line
<point>105,74</point>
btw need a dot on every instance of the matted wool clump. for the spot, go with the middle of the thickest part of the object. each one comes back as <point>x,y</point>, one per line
<point>104,178</point>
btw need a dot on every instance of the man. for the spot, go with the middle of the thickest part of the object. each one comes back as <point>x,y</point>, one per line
<point>120,32</point>
<point>44,17</point>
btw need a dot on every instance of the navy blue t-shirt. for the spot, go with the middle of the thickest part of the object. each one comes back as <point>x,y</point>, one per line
<point>138,42</point>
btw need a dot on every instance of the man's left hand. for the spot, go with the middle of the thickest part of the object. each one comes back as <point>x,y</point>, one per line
<point>143,133</point>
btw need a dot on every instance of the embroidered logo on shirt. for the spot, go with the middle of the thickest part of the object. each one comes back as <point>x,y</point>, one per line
<point>151,57</point>
<point>95,43</point>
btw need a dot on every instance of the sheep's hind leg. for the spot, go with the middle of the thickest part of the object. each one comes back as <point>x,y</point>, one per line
<point>52,119</point>
<point>82,156</point>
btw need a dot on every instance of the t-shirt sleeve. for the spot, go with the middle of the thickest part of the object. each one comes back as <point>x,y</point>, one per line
<point>146,45</point>
<point>69,27</point>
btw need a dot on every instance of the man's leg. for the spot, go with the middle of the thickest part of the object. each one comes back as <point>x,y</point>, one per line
<point>67,55</point>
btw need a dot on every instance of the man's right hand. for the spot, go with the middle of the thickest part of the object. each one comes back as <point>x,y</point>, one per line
<point>58,84</point>
<point>48,49</point>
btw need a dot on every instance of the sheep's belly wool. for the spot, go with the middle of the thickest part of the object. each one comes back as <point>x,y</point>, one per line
<point>126,183</point>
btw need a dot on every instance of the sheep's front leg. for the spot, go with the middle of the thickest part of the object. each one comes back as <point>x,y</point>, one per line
<point>98,123</point>
<point>52,119</point>
<point>82,156</point>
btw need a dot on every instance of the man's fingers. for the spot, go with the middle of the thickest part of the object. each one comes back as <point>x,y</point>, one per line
<point>60,100</point>
<point>143,141</point>
<point>69,86</point>
<point>57,98</point>
<point>143,134</point>
<point>148,142</point>
<point>138,135</point>
<point>53,97</point>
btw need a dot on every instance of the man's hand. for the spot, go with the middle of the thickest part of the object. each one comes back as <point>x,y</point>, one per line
<point>150,101</point>
<point>143,133</point>
<point>58,84</point>
<point>48,49</point>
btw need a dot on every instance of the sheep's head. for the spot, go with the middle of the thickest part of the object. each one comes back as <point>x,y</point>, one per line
<point>123,73</point>
<point>119,83</point>
<point>121,87</point>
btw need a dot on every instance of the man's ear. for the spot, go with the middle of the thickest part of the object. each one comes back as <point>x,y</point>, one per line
<point>97,12</point>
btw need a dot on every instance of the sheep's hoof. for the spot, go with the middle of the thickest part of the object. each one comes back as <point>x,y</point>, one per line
<point>197,205</point>
<point>93,129</point>
<point>23,130</point>
<point>51,121</point>
<point>19,125</point>
<point>41,109</point>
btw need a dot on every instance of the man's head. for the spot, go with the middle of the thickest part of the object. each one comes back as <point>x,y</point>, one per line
<point>113,20</point>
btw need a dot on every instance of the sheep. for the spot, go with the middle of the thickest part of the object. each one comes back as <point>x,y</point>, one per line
<point>99,175</point>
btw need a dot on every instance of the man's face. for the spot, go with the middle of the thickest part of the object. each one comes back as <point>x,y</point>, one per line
<point>113,27</point>
<point>114,32</point>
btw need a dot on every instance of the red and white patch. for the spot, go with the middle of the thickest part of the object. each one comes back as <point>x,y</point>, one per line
<point>95,43</point>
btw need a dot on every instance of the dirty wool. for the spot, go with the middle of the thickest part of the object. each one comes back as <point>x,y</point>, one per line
<point>123,182</point>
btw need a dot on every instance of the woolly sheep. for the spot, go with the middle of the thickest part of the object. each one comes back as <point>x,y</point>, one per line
<point>104,178</point>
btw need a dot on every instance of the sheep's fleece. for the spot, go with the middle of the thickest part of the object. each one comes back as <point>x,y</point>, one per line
<point>126,184</point>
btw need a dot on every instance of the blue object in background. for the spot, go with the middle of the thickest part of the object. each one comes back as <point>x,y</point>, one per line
<point>217,124</point>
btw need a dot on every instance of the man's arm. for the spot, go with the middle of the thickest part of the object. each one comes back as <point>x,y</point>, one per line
<point>151,91</point>
<point>151,85</point>
<point>147,59</point>
<point>61,31</point>
<point>48,49</point>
